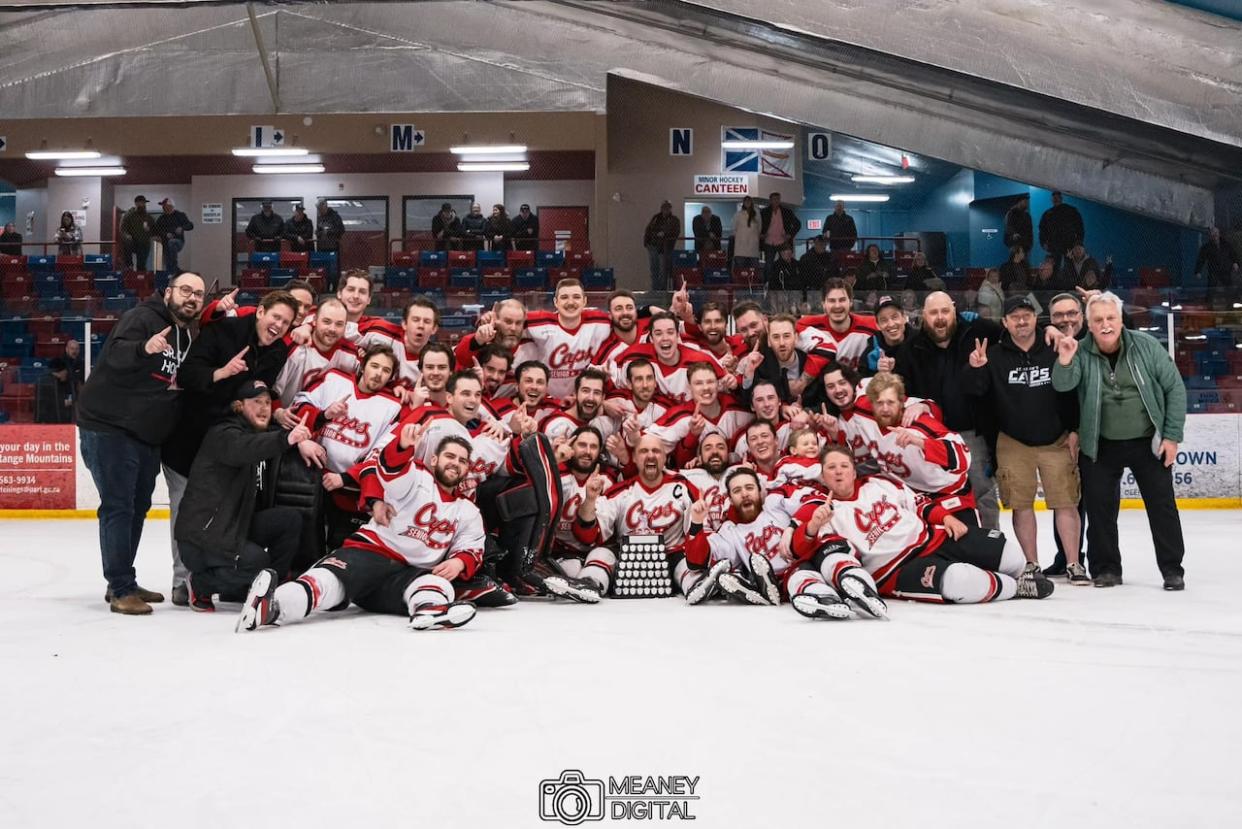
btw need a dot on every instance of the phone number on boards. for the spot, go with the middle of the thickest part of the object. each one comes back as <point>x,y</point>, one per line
<point>17,479</point>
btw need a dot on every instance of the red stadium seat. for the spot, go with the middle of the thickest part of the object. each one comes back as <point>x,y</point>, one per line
<point>497,278</point>
<point>691,276</point>
<point>289,259</point>
<point>461,259</point>
<point>12,264</point>
<point>520,258</point>
<point>433,278</point>
<point>69,263</point>
<point>1153,277</point>
<point>579,259</point>
<point>404,259</point>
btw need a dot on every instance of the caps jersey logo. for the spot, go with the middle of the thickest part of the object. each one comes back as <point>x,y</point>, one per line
<point>637,517</point>
<point>929,577</point>
<point>891,462</point>
<point>350,431</point>
<point>766,541</point>
<point>562,358</point>
<point>569,512</point>
<point>430,528</point>
<point>880,518</point>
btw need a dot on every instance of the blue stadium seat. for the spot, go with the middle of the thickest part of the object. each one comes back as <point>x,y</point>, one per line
<point>490,259</point>
<point>48,284</point>
<point>54,304</point>
<point>323,259</point>
<point>489,298</point>
<point>530,279</point>
<point>434,294</point>
<point>279,277</point>
<point>717,276</point>
<point>598,279</point>
<point>464,278</point>
<point>41,263</point>
<point>108,286</point>
<point>97,261</point>
<point>400,279</point>
<point>549,259</point>
<point>433,259</point>
<point>685,259</point>
<point>265,259</point>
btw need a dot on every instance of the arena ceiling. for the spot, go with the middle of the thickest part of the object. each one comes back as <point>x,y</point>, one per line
<point>1135,103</point>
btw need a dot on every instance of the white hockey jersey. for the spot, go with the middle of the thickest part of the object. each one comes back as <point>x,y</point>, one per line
<point>712,492</point>
<point>564,424</point>
<point>673,429</point>
<point>796,470</point>
<point>383,332</point>
<point>573,493</point>
<point>818,339</point>
<point>630,508</point>
<point>735,541</point>
<point>307,363</point>
<point>348,440</point>
<point>565,351</point>
<point>671,381</point>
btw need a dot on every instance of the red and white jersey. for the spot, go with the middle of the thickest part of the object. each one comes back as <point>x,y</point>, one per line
<point>671,380</point>
<point>348,440</point>
<point>712,492</point>
<point>440,424</point>
<point>614,346</point>
<point>651,413</point>
<point>783,428</point>
<point>307,363</point>
<point>735,541</point>
<point>573,493</point>
<point>431,524</point>
<point>565,351</point>
<point>732,343</point>
<point>488,456</point>
<point>796,470</point>
<point>939,469</point>
<point>631,508</point>
<point>817,338</point>
<point>564,423</point>
<point>674,428</point>
<point>882,521</point>
<point>858,430</point>
<point>376,330</point>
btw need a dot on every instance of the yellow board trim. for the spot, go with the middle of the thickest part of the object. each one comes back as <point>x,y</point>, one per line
<point>66,513</point>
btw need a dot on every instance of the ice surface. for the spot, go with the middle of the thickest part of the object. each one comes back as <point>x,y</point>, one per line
<point>1094,708</point>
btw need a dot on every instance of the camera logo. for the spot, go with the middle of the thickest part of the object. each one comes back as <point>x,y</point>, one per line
<point>571,798</point>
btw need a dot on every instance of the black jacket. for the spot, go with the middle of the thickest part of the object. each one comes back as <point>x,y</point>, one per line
<point>450,227</point>
<point>51,394</point>
<point>662,232</point>
<point>784,276</point>
<point>525,230</point>
<point>841,230</point>
<point>129,390</point>
<point>816,268</point>
<point>934,372</point>
<point>501,226</point>
<point>1018,385</point>
<point>176,223</point>
<point>770,370</point>
<point>11,244</point>
<point>265,228</point>
<point>1073,275</point>
<point>1018,229</point>
<point>220,496</point>
<point>1217,261</point>
<point>472,226</point>
<point>329,231</point>
<point>1014,273</point>
<point>788,219</point>
<point>707,234</point>
<point>1060,228</point>
<point>207,402</point>
<point>304,229</point>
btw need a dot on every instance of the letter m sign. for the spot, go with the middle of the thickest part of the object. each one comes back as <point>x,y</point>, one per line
<point>405,138</point>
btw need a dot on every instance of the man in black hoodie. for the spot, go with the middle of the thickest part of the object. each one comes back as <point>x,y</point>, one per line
<point>1036,430</point>
<point>224,541</point>
<point>127,408</point>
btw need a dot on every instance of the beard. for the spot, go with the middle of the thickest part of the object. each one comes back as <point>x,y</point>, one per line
<point>581,465</point>
<point>716,464</point>
<point>449,479</point>
<point>748,512</point>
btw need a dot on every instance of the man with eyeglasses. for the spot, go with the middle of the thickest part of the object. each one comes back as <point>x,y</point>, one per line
<point>127,408</point>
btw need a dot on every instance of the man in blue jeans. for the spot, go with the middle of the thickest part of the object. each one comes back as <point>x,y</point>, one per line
<point>127,408</point>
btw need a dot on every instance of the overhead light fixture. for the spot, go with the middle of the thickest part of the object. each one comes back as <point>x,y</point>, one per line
<point>871,197</point>
<point>288,169</point>
<point>255,152</point>
<point>756,145</point>
<point>493,166</point>
<point>883,179</point>
<point>63,155</point>
<point>481,149</point>
<point>90,171</point>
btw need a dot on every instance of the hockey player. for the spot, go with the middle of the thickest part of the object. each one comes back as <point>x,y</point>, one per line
<point>325,350</point>
<point>710,332</point>
<point>838,331</point>
<point>587,408</point>
<point>355,294</point>
<point>708,477</point>
<point>532,391</point>
<point>640,400</point>
<point>762,454</point>
<point>420,539</point>
<point>503,327</point>
<point>765,402</point>
<point>582,572</point>
<point>912,550</point>
<point>565,341</point>
<point>683,426</point>
<point>435,364</point>
<point>670,359</point>
<point>627,329</point>
<point>420,322</point>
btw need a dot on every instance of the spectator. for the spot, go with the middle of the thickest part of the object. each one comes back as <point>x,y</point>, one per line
<point>910,304</point>
<point>1060,228</point>
<point>10,241</point>
<point>73,358</point>
<point>991,295</point>
<point>300,230</point>
<point>784,283</point>
<point>876,272</point>
<point>1080,270</point>
<point>1018,230</point>
<point>840,229</point>
<point>1235,237</point>
<point>1046,283</point>
<point>922,275</point>
<point>659,238</point>
<point>746,223</point>
<point>778,226</point>
<point>1133,410</point>
<point>499,229</point>
<point>816,266</point>
<point>473,228</point>
<point>127,408</point>
<point>170,228</point>
<point>55,393</point>
<point>329,229</point>
<point>1218,260</point>
<point>137,225</point>
<point>931,363</point>
<point>69,236</point>
<point>707,231</point>
<point>265,228</point>
<point>1036,431</point>
<point>894,329</point>
<point>525,229</point>
<point>224,540</point>
<point>445,227</point>
<point>1016,271</point>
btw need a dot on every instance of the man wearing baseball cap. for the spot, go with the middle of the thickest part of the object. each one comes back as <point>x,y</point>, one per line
<point>1037,438</point>
<point>170,228</point>
<point>894,329</point>
<point>526,229</point>
<point>266,228</point>
<point>223,539</point>
<point>137,225</point>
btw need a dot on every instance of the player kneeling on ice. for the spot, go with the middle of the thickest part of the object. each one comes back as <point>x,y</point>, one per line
<point>420,538</point>
<point>913,549</point>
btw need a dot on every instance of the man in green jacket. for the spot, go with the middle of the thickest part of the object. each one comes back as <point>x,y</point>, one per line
<point>1133,410</point>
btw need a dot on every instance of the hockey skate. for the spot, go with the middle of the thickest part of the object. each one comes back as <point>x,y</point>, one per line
<point>740,589</point>
<point>441,616</point>
<point>766,580</point>
<point>579,590</point>
<point>815,606</point>
<point>708,585</point>
<point>260,608</point>
<point>483,591</point>
<point>1033,584</point>
<point>863,596</point>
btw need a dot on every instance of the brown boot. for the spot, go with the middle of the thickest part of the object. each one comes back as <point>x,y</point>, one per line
<point>143,593</point>
<point>131,605</point>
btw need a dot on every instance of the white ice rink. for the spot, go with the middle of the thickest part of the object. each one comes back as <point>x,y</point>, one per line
<point>1100,708</point>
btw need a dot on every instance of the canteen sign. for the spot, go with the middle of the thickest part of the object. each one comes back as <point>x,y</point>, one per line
<point>723,184</point>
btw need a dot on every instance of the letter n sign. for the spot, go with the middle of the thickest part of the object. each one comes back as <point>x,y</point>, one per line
<point>681,141</point>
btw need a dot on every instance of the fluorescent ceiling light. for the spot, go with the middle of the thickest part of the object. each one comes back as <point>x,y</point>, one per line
<point>756,145</point>
<point>480,149</point>
<point>873,197</point>
<point>63,155</point>
<point>255,152</point>
<point>90,171</point>
<point>493,166</point>
<point>883,179</point>
<point>288,168</point>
